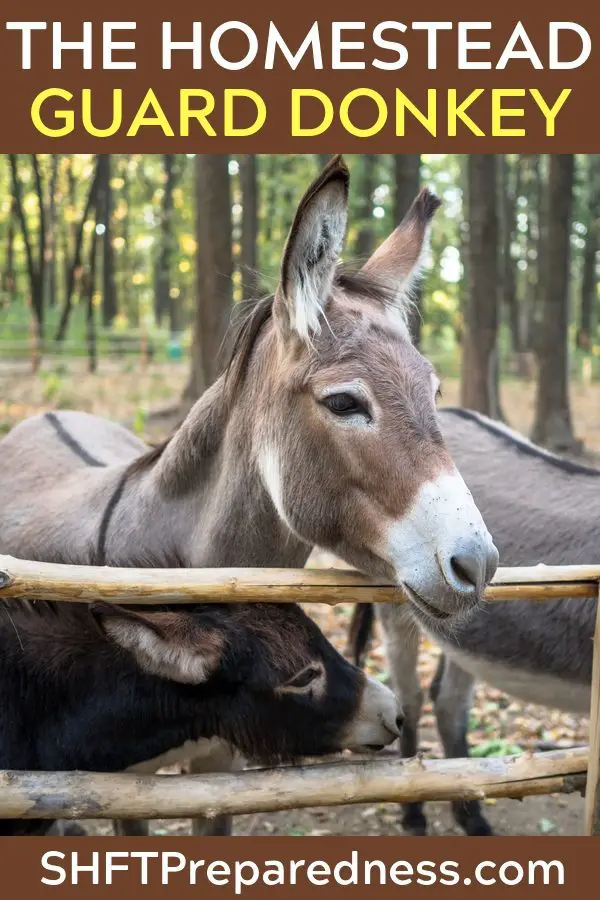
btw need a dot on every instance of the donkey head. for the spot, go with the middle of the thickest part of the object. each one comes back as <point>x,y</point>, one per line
<point>349,447</point>
<point>262,677</point>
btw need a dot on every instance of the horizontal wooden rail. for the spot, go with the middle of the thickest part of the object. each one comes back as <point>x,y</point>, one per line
<point>84,795</point>
<point>83,584</point>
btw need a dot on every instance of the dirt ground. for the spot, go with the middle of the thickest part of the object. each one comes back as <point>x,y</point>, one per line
<point>128,393</point>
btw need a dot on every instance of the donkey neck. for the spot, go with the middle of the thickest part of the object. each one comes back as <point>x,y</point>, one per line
<point>202,502</point>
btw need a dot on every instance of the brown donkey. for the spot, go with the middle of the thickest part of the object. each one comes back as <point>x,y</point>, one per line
<point>322,431</point>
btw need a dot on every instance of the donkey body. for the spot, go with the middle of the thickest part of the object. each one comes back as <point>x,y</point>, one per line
<point>322,431</point>
<point>538,652</point>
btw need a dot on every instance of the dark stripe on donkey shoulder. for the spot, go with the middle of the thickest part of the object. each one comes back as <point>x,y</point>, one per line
<point>106,517</point>
<point>69,441</point>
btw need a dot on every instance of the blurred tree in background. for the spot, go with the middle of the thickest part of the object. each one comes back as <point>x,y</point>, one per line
<point>407,182</point>
<point>552,425</point>
<point>479,373</point>
<point>104,255</point>
<point>214,269</point>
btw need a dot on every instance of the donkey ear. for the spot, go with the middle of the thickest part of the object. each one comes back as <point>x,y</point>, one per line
<point>171,645</point>
<point>312,251</point>
<point>397,262</point>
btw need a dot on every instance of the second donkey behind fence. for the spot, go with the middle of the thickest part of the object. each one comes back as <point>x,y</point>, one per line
<point>540,508</point>
<point>107,688</point>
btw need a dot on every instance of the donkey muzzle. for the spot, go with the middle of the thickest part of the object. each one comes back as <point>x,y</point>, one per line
<point>378,720</point>
<point>442,553</point>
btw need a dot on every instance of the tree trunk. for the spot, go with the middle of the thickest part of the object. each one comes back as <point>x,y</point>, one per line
<point>91,310</point>
<point>38,298</point>
<point>34,267</point>
<point>68,223</point>
<point>162,304</point>
<point>553,427</point>
<point>50,270</point>
<point>249,254</point>
<point>125,193</point>
<point>479,372</point>
<point>214,261</point>
<point>509,189</point>
<point>463,163</point>
<point>589,285</point>
<point>9,275</point>
<point>284,207</point>
<point>407,179</point>
<point>104,218</point>
<point>531,174</point>
<point>271,180</point>
<point>75,267</point>
<point>125,256</point>
<point>365,239</point>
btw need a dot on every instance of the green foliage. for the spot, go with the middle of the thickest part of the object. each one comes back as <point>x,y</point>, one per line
<point>52,385</point>
<point>495,748</point>
<point>139,421</point>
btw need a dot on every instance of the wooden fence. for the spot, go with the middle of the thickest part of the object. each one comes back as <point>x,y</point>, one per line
<point>78,795</point>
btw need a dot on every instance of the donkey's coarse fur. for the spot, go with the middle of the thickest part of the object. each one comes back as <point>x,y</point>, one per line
<point>540,509</point>
<point>109,688</point>
<point>322,431</point>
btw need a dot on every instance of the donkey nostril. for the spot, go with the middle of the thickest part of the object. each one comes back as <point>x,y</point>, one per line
<point>472,567</point>
<point>460,567</point>
<point>466,567</point>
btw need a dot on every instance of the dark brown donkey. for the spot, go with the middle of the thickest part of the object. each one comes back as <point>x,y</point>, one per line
<point>322,431</point>
<point>108,689</point>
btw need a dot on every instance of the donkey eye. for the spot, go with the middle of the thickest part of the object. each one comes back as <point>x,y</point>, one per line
<point>304,678</point>
<point>344,405</point>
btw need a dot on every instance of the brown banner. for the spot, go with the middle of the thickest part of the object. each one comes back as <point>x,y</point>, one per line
<point>401,88</point>
<point>300,867</point>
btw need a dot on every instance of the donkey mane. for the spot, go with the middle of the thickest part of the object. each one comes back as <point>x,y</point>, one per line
<point>521,444</point>
<point>249,321</point>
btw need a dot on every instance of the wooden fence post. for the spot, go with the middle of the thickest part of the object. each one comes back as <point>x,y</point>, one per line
<point>592,794</point>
